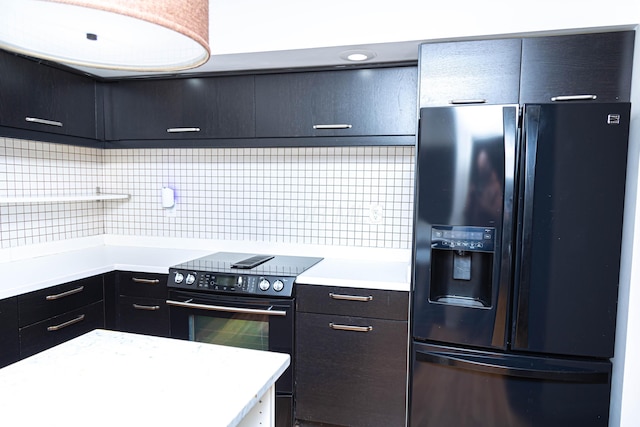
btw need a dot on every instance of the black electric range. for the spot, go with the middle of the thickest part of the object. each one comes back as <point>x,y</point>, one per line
<point>241,274</point>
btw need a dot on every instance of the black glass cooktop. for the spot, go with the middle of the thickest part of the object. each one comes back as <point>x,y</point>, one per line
<point>254,264</point>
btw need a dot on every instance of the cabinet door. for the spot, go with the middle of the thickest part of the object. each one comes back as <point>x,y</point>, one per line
<point>337,103</point>
<point>480,72</point>
<point>588,65</point>
<point>53,331</point>
<point>143,316</point>
<point>42,98</point>
<point>351,371</point>
<point>381,304</point>
<point>142,306</point>
<point>43,304</point>
<point>9,343</point>
<point>146,285</point>
<point>215,107</point>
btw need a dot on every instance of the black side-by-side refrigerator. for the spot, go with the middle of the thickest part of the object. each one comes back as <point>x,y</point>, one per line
<point>516,263</point>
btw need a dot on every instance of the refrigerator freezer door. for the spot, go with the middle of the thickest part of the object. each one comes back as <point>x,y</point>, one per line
<point>464,388</point>
<point>572,198</point>
<point>463,231</point>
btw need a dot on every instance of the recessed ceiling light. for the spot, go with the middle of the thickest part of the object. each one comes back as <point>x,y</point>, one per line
<point>110,34</point>
<point>357,55</point>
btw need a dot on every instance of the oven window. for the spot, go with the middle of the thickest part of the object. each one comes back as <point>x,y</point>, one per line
<point>240,330</point>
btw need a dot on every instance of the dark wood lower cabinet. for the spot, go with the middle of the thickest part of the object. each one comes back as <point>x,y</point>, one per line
<point>350,371</point>
<point>9,339</point>
<point>56,330</point>
<point>53,315</point>
<point>141,303</point>
<point>143,316</point>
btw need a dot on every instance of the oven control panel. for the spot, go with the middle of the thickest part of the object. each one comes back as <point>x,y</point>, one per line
<point>255,285</point>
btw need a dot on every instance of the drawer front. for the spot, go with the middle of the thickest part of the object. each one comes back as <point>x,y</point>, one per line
<point>143,316</point>
<point>351,371</point>
<point>50,332</point>
<point>43,304</point>
<point>148,285</point>
<point>374,303</point>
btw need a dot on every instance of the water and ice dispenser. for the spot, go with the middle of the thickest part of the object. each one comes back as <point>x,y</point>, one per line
<point>462,264</point>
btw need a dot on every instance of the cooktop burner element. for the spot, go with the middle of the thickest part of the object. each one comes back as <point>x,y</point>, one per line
<point>241,273</point>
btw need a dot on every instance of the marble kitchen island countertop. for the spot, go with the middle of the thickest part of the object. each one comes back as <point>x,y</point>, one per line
<point>107,378</point>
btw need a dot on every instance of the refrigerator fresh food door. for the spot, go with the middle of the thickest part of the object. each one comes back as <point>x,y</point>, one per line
<point>464,228</point>
<point>572,199</point>
<point>464,388</point>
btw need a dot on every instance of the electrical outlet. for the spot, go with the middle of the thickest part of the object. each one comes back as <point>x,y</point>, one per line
<point>376,214</point>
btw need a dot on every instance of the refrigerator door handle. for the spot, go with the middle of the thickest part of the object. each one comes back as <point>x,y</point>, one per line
<point>522,282</point>
<point>496,366</point>
<point>510,133</point>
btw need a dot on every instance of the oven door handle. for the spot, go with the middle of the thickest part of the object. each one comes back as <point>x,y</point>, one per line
<point>226,308</point>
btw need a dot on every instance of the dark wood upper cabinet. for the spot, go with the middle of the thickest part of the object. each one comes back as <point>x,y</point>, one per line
<point>38,97</point>
<point>358,102</point>
<point>470,72</point>
<point>189,108</point>
<point>584,65</point>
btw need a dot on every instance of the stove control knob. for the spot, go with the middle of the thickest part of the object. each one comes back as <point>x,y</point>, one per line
<point>278,285</point>
<point>264,284</point>
<point>190,279</point>
<point>179,278</point>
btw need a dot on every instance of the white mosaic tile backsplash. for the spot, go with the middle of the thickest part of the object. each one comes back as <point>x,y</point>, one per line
<point>346,196</point>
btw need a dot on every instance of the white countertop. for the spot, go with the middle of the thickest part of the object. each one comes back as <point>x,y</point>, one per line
<point>107,378</point>
<point>352,273</point>
<point>29,273</point>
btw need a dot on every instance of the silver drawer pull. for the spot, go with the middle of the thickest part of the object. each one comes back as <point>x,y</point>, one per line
<point>467,101</point>
<point>43,121</point>
<point>146,281</point>
<point>179,130</point>
<point>350,297</point>
<point>573,98</point>
<point>226,309</point>
<point>64,294</point>
<point>333,126</point>
<point>65,324</point>
<point>146,307</point>
<point>350,328</point>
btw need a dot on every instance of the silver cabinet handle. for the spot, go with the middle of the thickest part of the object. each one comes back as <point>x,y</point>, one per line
<point>350,297</point>
<point>573,98</point>
<point>146,281</point>
<point>65,324</point>
<point>333,126</point>
<point>226,308</point>
<point>64,294</point>
<point>43,121</point>
<point>179,130</point>
<point>468,101</point>
<point>146,307</point>
<point>350,328</point>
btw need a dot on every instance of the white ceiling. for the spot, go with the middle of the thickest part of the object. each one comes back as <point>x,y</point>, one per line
<point>249,35</point>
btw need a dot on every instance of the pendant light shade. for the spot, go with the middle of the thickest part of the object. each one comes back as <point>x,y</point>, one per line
<point>132,35</point>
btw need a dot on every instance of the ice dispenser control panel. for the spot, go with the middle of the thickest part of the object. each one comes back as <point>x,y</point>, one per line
<point>464,238</point>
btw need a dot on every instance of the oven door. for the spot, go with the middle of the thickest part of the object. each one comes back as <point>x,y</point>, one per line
<point>255,323</point>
